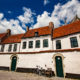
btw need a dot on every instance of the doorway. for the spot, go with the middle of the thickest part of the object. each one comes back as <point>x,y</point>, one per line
<point>59,66</point>
<point>13,63</point>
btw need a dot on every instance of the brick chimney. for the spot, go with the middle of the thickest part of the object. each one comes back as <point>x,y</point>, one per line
<point>27,28</point>
<point>8,32</point>
<point>51,25</point>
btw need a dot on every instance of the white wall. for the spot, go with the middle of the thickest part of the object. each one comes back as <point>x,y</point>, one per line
<point>41,38</point>
<point>34,60</point>
<point>71,61</point>
<point>7,46</point>
<point>65,41</point>
<point>5,60</point>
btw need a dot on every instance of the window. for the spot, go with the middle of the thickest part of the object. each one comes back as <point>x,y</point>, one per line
<point>30,44</point>
<point>58,44</point>
<point>10,47</point>
<point>74,42</point>
<point>15,47</point>
<point>36,34</point>
<point>38,44</point>
<point>24,45</point>
<point>2,48</point>
<point>45,43</point>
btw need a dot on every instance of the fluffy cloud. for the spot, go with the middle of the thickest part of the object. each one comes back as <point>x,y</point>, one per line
<point>27,17</point>
<point>44,19</point>
<point>46,2</point>
<point>14,24</point>
<point>67,11</point>
<point>59,14</point>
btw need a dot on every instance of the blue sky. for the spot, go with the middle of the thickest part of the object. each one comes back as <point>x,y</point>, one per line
<point>38,6</point>
<point>17,14</point>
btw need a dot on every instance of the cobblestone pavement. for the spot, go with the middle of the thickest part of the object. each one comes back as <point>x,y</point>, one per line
<point>7,75</point>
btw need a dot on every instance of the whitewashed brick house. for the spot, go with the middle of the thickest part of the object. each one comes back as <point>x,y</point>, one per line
<point>47,49</point>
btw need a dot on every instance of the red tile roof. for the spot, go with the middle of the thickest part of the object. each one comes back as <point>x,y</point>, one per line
<point>2,35</point>
<point>41,31</point>
<point>13,39</point>
<point>58,32</point>
<point>67,29</point>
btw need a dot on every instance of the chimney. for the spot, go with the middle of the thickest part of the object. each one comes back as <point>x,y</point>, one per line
<point>8,32</point>
<point>27,28</point>
<point>51,25</point>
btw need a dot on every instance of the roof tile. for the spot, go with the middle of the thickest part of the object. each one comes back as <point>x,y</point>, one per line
<point>41,31</point>
<point>67,29</point>
<point>2,35</point>
<point>13,39</point>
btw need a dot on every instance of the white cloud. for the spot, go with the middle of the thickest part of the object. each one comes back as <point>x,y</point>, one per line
<point>27,17</point>
<point>44,19</point>
<point>60,13</point>
<point>68,10</point>
<point>46,2</point>
<point>14,24</point>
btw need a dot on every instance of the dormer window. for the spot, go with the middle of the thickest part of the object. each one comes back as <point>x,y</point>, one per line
<point>36,34</point>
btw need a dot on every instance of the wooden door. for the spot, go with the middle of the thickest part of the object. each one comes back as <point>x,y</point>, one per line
<point>13,63</point>
<point>59,66</point>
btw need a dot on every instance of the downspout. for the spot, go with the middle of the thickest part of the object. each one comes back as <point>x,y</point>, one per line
<point>19,46</point>
<point>52,38</point>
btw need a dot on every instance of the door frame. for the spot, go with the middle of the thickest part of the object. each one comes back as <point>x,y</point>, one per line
<point>11,61</point>
<point>54,56</point>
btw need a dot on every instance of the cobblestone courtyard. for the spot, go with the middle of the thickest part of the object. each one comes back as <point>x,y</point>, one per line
<point>5,75</point>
